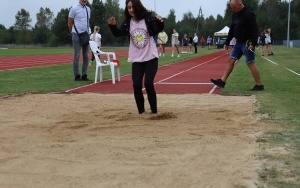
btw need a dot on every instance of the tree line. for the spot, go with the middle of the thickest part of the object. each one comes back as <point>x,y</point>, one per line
<point>53,31</point>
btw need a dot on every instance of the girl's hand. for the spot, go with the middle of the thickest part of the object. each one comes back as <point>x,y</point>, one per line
<point>112,21</point>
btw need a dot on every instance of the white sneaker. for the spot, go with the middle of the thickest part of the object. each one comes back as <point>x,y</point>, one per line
<point>172,55</point>
<point>163,55</point>
<point>178,55</point>
<point>159,54</point>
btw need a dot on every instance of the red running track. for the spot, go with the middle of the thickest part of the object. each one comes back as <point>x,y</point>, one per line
<point>188,76</point>
<point>21,62</point>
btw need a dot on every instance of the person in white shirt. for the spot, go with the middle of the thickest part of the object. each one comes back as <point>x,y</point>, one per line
<point>162,39</point>
<point>96,37</point>
<point>175,43</point>
<point>195,40</point>
<point>78,23</point>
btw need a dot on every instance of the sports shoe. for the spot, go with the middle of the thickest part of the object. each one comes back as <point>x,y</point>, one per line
<point>178,55</point>
<point>172,55</point>
<point>258,88</point>
<point>218,82</point>
<point>77,78</point>
<point>85,78</point>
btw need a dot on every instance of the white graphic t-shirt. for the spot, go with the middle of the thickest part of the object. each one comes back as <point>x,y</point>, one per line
<point>142,46</point>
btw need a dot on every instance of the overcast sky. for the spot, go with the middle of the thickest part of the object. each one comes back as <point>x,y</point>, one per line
<point>9,8</point>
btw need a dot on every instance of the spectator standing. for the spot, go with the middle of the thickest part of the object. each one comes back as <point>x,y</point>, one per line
<point>271,44</point>
<point>162,39</point>
<point>184,43</point>
<point>209,42</point>
<point>96,37</point>
<point>268,41</point>
<point>195,40</point>
<point>78,22</point>
<point>202,40</point>
<point>244,28</point>
<point>262,42</point>
<point>175,43</point>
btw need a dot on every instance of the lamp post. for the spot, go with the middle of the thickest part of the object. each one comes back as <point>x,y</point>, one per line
<point>200,14</point>
<point>288,27</point>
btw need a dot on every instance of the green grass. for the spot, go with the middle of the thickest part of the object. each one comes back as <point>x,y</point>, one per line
<point>279,103</point>
<point>42,51</point>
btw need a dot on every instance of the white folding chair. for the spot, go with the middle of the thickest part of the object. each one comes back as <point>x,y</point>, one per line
<point>107,62</point>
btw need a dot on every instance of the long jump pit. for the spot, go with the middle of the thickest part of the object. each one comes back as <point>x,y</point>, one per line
<point>99,140</point>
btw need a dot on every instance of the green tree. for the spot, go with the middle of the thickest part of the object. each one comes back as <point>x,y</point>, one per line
<point>23,20</point>
<point>209,28</point>
<point>41,35</point>
<point>112,8</point>
<point>22,25</point>
<point>42,29</point>
<point>97,13</point>
<point>170,23</point>
<point>187,25</point>
<point>3,34</point>
<point>11,39</point>
<point>44,18</point>
<point>219,23</point>
<point>60,28</point>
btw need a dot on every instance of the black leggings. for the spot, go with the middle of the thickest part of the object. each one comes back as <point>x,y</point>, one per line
<point>139,70</point>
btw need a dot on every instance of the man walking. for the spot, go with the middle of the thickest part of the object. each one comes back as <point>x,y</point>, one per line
<point>78,23</point>
<point>245,30</point>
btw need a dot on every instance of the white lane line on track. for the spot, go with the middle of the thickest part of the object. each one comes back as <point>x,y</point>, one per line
<point>213,89</point>
<point>189,69</point>
<point>184,83</point>
<point>281,66</point>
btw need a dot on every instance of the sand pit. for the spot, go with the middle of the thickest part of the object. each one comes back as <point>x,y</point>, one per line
<point>96,140</point>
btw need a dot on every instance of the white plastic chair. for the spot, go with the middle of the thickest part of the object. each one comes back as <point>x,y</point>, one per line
<point>107,62</point>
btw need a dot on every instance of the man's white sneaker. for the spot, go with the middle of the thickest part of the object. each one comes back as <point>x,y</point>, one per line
<point>172,55</point>
<point>178,55</point>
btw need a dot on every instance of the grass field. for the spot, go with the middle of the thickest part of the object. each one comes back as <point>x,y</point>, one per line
<point>278,104</point>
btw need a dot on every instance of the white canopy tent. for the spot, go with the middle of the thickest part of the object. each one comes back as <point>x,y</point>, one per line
<point>222,32</point>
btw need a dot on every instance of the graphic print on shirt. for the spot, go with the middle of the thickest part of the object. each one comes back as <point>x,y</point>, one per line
<point>139,38</point>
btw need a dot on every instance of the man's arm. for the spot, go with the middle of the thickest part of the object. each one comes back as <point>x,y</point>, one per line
<point>70,23</point>
<point>254,28</point>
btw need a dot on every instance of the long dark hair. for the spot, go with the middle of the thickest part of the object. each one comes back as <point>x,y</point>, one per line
<point>139,9</point>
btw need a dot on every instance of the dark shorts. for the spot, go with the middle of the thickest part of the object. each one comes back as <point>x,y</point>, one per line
<point>239,49</point>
